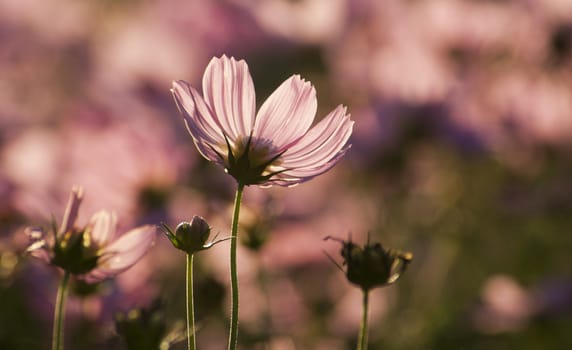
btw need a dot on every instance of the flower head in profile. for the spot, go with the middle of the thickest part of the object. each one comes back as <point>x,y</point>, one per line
<point>94,252</point>
<point>373,265</point>
<point>275,146</point>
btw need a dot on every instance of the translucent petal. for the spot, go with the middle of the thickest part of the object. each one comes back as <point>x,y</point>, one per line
<point>229,92</point>
<point>102,227</point>
<point>72,209</point>
<point>287,114</point>
<point>123,253</point>
<point>322,143</point>
<point>201,124</point>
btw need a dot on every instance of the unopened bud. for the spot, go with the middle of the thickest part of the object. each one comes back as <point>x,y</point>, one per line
<point>372,266</point>
<point>190,237</point>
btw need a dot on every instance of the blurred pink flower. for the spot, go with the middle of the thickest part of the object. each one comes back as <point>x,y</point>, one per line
<point>95,252</point>
<point>506,306</point>
<point>309,22</point>
<point>275,147</point>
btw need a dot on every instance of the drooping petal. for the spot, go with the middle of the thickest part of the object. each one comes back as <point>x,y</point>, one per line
<point>40,245</point>
<point>229,92</point>
<point>297,176</point>
<point>123,253</point>
<point>72,210</point>
<point>287,114</point>
<point>102,227</point>
<point>201,124</point>
<point>320,145</point>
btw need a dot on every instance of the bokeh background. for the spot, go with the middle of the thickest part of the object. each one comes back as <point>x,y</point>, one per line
<point>461,154</point>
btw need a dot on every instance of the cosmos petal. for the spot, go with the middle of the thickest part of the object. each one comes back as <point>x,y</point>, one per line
<point>123,253</point>
<point>39,246</point>
<point>72,210</point>
<point>322,143</point>
<point>287,114</point>
<point>199,120</point>
<point>102,227</point>
<point>229,92</point>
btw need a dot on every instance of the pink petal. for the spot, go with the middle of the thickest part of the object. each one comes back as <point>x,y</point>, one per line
<point>102,227</point>
<point>321,143</point>
<point>40,246</point>
<point>41,253</point>
<point>287,114</point>
<point>199,120</point>
<point>229,92</point>
<point>297,176</point>
<point>123,253</point>
<point>72,209</point>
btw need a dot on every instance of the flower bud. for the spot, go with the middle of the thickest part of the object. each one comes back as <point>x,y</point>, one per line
<point>190,237</point>
<point>372,266</point>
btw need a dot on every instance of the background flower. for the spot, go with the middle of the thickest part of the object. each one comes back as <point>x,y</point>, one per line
<point>93,252</point>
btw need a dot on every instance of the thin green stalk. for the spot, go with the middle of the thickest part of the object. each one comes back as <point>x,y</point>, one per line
<point>362,340</point>
<point>233,336</point>
<point>191,342</point>
<point>59,314</point>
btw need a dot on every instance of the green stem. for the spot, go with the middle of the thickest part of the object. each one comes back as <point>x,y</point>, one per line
<point>59,314</point>
<point>233,336</point>
<point>362,340</point>
<point>191,342</point>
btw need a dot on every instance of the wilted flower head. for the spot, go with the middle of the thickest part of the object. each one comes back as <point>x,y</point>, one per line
<point>94,252</point>
<point>274,147</point>
<point>372,266</point>
<point>190,237</point>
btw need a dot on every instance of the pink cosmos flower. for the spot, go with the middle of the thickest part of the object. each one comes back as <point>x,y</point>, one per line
<point>95,252</point>
<point>274,147</point>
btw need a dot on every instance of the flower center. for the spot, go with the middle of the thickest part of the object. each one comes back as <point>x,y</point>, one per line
<point>250,160</point>
<point>75,252</point>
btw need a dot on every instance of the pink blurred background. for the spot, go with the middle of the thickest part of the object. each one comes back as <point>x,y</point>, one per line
<point>461,154</point>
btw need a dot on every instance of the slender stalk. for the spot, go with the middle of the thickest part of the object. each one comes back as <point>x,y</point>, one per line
<point>233,336</point>
<point>362,340</point>
<point>59,314</point>
<point>191,342</point>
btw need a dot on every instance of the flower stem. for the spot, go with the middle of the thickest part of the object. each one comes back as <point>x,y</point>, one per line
<point>233,336</point>
<point>362,340</point>
<point>59,314</point>
<point>191,342</point>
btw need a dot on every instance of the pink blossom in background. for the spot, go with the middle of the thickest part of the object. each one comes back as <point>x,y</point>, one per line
<point>463,55</point>
<point>99,149</point>
<point>275,147</point>
<point>506,306</point>
<point>309,22</point>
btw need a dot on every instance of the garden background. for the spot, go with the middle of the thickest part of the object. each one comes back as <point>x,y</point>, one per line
<point>461,154</point>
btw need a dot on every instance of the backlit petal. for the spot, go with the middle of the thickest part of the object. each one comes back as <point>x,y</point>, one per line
<point>102,227</point>
<point>322,143</point>
<point>201,124</point>
<point>72,209</point>
<point>287,114</point>
<point>229,92</point>
<point>123,253</point>
<point>40,245</point>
